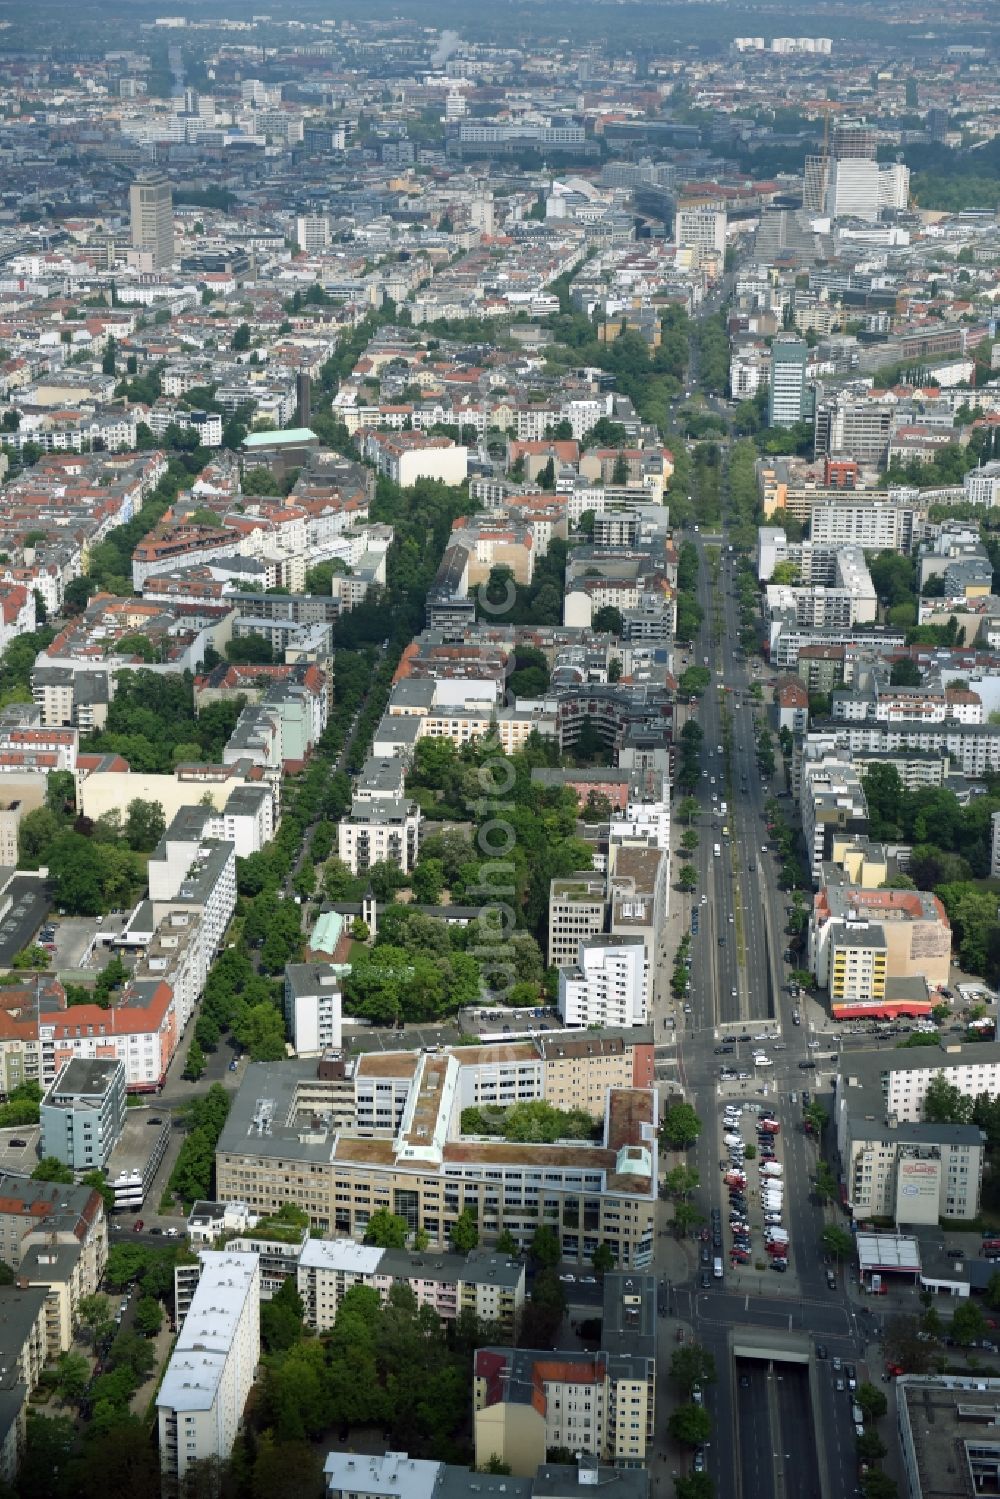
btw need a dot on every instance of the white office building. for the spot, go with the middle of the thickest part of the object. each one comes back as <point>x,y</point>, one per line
<point>853,189</point>
<point>211,1371</point>
<point>609,985</point>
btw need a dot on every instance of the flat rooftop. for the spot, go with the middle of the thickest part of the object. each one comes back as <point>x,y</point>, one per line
<point>952,1425</point>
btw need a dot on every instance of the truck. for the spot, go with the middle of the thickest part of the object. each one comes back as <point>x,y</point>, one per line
<point>777,1235</point>
<point>776,1251</point>
<point>735,1179</point>
<point>771,1168</point>
<point>769,1126</point>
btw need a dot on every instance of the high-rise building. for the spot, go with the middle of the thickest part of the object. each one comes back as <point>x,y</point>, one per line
<point>937,124</point>
<point>893,185</point>
<point>704,228</point>
<point>151,217</point>
<point>814,180</point>
<point>786,400</point>
<point>312,232</point>
<point>853,188</point>
<point>854,142</point>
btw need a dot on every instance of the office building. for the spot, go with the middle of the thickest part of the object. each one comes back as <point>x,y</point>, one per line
<point>814,184</point>
<point>914,935</point>
<point>853,141</point>
<point>786,398</point>
<point>577,909</point>
<point>896,1082</point>
<point>285,1141</point>
<point>151,217</point>
<point>853,189</point>
<point>608,985</point>
<point>212,1368</point>
<point>947,1431</point>
<point>83,1114</point>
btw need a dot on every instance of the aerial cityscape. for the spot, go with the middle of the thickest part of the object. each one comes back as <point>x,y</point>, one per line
<point>500,750</point>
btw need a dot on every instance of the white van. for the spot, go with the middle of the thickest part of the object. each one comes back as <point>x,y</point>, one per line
<point>717,1268</point>
<point>716,849</point>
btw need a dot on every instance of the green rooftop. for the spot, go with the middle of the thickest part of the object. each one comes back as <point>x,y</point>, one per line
<point>268,439</point>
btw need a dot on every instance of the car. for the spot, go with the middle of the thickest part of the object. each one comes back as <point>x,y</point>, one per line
<point>723,1051</point>
<point>838,1364</point>
<point>706,1280</point>
<point>704,1235</point>
<point>698,1461</point>
<point>697,1398</point>
<point>780,1265</point>
<point>821,1350</point>
<point>137,1226</point>
<point>807,1065</point>
<point>171,1233</point>
<point>156,1230</point>
<point>839,1385</point>
<point>731,918</point>
<point>706,1254</point>
<point>568,1278</point>
<point>18,1144</point>
<point>744,1382</point>
<point>722,940</point>
<point>852,1377</point>
<point>585,1280</point>
<point>953,1254</point>
<point>154,1121</point>
<point>717,1240</point>
<point>732,992</point>
<point>743,1077</point>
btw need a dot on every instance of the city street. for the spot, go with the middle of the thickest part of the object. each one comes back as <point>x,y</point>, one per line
<point>786,1430</point>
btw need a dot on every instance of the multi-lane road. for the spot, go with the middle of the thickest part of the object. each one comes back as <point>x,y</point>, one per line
<point>778,1428</point>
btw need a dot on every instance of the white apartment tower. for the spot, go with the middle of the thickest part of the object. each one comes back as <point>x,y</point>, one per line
<point>212,1368</point>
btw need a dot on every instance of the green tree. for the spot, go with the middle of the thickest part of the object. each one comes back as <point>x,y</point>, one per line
<point>837,1241</point>
<point>386,1230</point>
<point>968,1325</point>
<point>870,1447</point>
<point>145,825</point>
<point>608,620</point>
<point>72,1375</point>
<point>603,1259</point>
<point>51,1169</point>
<point>871,1400</point>
<point>545,1248</point>
<point>464,1232</point>
<point>195,1063</point>
<point>148,1316</point>
<point>681,1127</point>
<point>687,878</point>
<point>905,673</point>
<point>690,1366</point>
<point>690,1425</point>
<point>507,1244</point>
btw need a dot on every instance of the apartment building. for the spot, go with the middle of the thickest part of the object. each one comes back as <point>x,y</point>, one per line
<point>396,1475</point>
<point>83,1114</point>
<point>912,1173</point>
<point>577,909</point>
<point>386,830</point>
<point>527,1401</point>
<point>490,1285</point>
<point>895,1083</point>
<point>204,1390</point>
<point>912,927</point>
<point>832,803</point>
<point>608,985</point>
<point>423,1169</point>
<point>23,1351</point>
<point>141,1031</point>
<point>313,1007</point>
<point>53,1215</point>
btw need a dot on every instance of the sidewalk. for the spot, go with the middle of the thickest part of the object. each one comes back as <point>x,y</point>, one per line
<point>163,1342</point>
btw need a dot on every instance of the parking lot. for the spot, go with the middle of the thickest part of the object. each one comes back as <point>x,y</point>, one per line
<point>75,938</point>
<point>20,1159</point>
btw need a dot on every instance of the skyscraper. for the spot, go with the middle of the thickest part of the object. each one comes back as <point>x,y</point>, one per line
<point>854,142</point>
<point>786,398</point>
<point>151,216</point>
<point>814,181</point>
